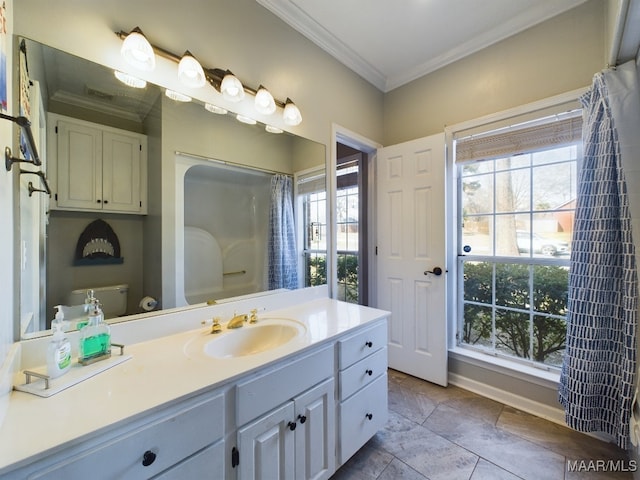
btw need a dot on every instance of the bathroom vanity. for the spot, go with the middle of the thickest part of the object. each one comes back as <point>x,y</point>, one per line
<point>191,404</point>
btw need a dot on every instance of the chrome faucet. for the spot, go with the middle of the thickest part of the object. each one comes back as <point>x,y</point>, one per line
<point>238,321</point>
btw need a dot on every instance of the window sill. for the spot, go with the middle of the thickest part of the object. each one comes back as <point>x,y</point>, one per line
<point>544,378</point>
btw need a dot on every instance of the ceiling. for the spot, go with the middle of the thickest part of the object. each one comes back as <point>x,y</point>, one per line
<point>390,43</point>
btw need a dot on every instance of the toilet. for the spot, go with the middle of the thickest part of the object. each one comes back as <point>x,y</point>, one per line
<point>113,298</point>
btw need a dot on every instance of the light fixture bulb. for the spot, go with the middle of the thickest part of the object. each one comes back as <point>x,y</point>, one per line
<point>245,119</point>
<point>272,129</point>
<point>177,96</point>
<point>190,72</point>
<point>291,115</point>
<point>264,102</point>
<point>130,80</point>
<point>231,88</point>
<point>215,109</point>
<point>137,51</point>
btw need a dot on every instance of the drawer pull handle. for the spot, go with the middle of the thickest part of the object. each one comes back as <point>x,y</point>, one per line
<point>148,458</point>
<point>369,416</point>
<point>369,344</point>
<point>302,418</point>
<point>292,426</point>
<point>369,372</point>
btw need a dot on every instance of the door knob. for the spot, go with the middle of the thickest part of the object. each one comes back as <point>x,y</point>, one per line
<point>435,271</point>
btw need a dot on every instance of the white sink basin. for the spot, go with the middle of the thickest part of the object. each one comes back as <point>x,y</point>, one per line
<point>267,334</point>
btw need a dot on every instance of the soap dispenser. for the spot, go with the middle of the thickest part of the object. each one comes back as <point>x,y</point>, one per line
<point>59,349</point>
<point>95,339</point>
<point>88,301</point>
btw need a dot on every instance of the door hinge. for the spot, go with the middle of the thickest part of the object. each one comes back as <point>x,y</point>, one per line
<point>56,197</point>
<point>56,129</point>
<point>376,250</point>
<point>235,457</point>
<point>140,203</point>
<point>140,147</point>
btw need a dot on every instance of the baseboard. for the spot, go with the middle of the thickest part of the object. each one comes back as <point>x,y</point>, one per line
<point>538,409</point>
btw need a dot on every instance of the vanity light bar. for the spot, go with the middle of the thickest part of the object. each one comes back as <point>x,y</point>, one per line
<point>216,76</point>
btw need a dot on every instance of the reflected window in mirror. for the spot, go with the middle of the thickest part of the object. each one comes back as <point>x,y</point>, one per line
<point>311,204</point>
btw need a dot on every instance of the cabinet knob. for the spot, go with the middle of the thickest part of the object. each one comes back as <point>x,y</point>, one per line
<point>105,201</point>
<point>148,458</point>
<point>369,372</point>
<point>302,418</point>
<point>369,344</point>
<point>292,426</point>
<point>98,201</point>
<point>369,416</point>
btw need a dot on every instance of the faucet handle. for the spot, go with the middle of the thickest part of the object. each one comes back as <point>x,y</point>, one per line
<point>254,316</point>
<point>216,327</point>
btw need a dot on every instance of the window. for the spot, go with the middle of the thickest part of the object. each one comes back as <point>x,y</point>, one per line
<point>516,200</point>
<point>312,217</point>
<point>351,225</point>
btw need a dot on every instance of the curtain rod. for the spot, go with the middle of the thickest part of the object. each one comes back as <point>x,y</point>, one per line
<point>232,164</point>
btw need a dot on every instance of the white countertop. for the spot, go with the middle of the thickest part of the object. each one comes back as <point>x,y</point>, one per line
<point>159,372</point>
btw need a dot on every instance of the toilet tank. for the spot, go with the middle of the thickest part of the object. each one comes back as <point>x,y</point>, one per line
<point>113,298</point>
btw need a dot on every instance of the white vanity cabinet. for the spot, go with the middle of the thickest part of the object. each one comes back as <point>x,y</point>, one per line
<point>362,388</point>
<point>298,417</point>
<point>186,438</point>
<point>290,412</point>
<point>96,168</point>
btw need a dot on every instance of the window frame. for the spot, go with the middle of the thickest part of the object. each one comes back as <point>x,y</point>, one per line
<point>300,219</point>
<point>455,298</point>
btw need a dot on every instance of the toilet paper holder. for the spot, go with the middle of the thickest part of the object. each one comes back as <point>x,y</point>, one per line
<point>148,303</point>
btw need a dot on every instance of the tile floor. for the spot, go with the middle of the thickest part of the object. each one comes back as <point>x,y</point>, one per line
<point>449,433</point>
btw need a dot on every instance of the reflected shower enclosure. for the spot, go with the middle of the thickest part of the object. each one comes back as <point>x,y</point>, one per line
<point>226,214</point>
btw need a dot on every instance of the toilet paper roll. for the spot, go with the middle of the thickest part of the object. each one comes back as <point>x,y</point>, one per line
<point>148,303</point>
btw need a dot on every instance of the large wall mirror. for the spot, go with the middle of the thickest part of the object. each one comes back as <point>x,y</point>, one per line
<point>207,184</point>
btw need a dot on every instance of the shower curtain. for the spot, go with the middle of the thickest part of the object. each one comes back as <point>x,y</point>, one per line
<point>282,269</point>
<point>599,367</point>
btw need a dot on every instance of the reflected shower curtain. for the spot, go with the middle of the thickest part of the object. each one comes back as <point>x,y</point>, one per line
<point>282,270</point>
<point>599,368</point>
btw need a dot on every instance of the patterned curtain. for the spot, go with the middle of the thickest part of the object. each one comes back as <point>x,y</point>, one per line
<point>282,270</point>
<point>598,372</point>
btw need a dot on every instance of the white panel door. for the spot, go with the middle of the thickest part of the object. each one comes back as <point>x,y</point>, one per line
<point>411,243</point>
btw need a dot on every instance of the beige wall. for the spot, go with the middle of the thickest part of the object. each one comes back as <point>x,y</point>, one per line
<point>557,56</point>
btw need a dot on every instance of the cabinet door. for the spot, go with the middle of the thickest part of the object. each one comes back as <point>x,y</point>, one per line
<point>266,446</point>
<point>315,432</point>
<point>121,168</point>
<point>79,156</point>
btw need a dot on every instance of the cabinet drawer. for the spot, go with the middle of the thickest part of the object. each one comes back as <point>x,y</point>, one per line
<point>171,439</point>
<point>362,344</point>
<point>271,389</point>
<point>362,373</point>
<point>207,463</point>
<point>361,416</point>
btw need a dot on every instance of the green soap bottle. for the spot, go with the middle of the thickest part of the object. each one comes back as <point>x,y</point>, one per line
<point>95,338</point>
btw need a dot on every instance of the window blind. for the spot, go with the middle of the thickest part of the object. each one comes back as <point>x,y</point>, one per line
<point>311,182</point>
<point>553,131</point>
